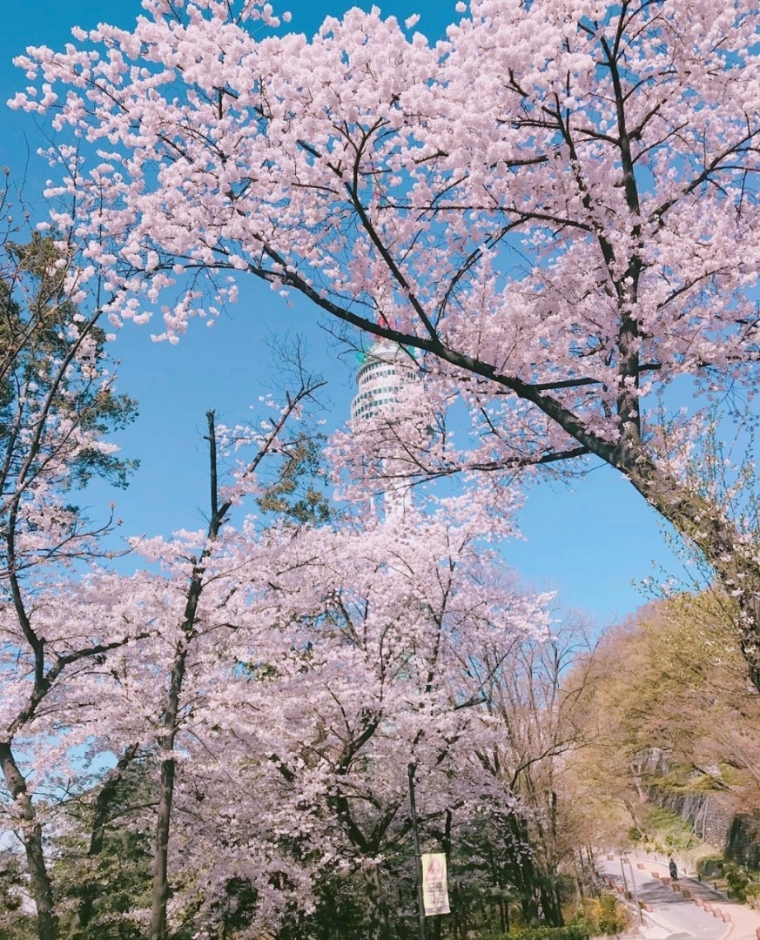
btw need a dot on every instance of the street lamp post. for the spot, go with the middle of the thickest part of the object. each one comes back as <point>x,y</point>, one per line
<point>633,885</point>
<point>622,871</point>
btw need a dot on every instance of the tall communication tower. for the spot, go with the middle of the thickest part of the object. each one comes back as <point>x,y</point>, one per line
<point>381,376</point>
<point>384,371</point>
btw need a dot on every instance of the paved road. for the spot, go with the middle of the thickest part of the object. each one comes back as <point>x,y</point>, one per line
<point>673,917</point>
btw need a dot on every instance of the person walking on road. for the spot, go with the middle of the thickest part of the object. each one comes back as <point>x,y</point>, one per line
<point>673,869</point>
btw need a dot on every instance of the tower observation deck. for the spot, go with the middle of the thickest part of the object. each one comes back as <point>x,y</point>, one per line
<point>386,369</point>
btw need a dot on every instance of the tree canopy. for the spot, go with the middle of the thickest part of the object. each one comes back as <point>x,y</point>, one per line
<point>556,205</point>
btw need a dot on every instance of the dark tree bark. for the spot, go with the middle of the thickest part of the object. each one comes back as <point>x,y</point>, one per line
<point>379,914</point>
<point>160,892</point>
<point>31,834</point>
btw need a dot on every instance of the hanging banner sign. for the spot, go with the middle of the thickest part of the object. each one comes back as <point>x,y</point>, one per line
<point>435,890</point>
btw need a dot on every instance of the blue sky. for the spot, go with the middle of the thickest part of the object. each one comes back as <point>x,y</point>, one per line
<point>590,542</point>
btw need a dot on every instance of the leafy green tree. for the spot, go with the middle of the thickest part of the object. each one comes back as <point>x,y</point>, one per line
<point>297,492</point>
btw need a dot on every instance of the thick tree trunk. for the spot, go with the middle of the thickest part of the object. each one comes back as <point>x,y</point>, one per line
<point>379,914</point>
<point>42,889</point>
<point>730,553</point>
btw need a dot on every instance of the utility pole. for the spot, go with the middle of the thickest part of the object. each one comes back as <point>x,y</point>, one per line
<point>417,857</point>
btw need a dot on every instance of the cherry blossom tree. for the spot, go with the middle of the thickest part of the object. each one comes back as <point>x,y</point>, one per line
<point>371,660</point>
<point>53,708</point>
<point>57,404</point>
<point>188,609</point>
<point>341,647</point>
<point>317,654</point>
<point>190,623</point>
<point>193,624</point>
<point>556,206</point>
